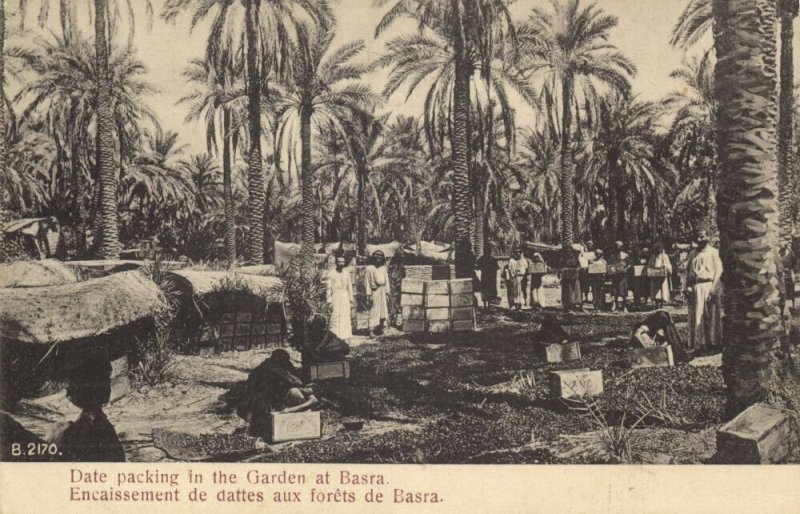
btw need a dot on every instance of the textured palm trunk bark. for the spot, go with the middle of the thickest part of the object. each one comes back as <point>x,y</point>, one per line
<point>361,234</point>
<point>4,199</point>
<point>255,182</point>
<point>107,236</point>
<point>227,187</point>
<point>79,210</point>
<point>462,191</point>
<point>307,182</point>
<point>567,174</point>
<point>788,11</point>
<point>747,198</point>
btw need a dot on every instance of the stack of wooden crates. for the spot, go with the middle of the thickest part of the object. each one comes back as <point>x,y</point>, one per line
<point>438,305</point>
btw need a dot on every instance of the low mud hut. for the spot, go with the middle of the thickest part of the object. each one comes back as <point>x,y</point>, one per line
<point>45,332</point>
<point>48,272</point>
<point>227,310</point>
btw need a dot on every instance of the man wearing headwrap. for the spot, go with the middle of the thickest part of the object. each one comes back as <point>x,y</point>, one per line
<point>704,291</point>
<point>377,286</point>
<point>488,266</point>
<point>518,267</point>
<point>537,291</point>
<point>659,330</point>
<point>271,387</point>
<point>619,282</point>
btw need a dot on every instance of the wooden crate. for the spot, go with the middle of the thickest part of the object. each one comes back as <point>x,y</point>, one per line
<point>538,268</point>
<point>461,285</point>
<point>462,313</point>
<point>463,325</point>
<point>660,356</point>
<point>656,272</point>
<point>412,300</point>
<point>638,270</point>
<point>576,383</point>
<point>565,352</point>
<point>437,326</point>
<point>437,314</point>
<point>329,370</point>
<point>598,268</point>
<point>413,325</point>
<point>413,312</point>
<point>362,320</point>
<point>616,269</point>
<point>295,426</point>
<point>437,301</point>
<point>437,287</point>
<point>462,300</point>
<point>412,286</point>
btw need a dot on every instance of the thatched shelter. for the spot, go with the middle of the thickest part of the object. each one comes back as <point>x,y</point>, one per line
<point>47,331</point>
<point>228,310</point>
<point>48,272</point>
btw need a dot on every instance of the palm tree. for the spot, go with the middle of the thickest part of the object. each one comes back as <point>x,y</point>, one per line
<point>322,87</point>
<point>63,91</point>
<point>219,100</point>
<point>696,21</point>
<point>270,29</point>
<point>567,45</point>
<point>624,165</point>
<point>745,82</point>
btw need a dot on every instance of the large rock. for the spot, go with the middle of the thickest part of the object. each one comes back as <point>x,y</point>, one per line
<point>760,435</point>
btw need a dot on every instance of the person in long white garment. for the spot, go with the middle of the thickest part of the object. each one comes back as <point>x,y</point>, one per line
<point>340,298</point>
<point>704,291</point>
<point>660,286</point>
<point>377,279</point>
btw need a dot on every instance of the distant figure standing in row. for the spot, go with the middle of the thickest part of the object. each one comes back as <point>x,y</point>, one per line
<point>340,298</point>
<point>660,286</point>
<point>619,281</point>
<point>704,291</point>
<point>537,283</point>
<point>377,279</point>
<point>597,283</point>
<point>488,267</point>
<point>518,268</point>
<point>570,281</point>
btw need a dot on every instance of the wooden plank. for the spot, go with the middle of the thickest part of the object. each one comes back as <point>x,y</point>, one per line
<point>538,268</point>
<point>228,317</point>
<point>598,268</point>
<point>461,285</point>
<point>259,329</point>
<point>227,330</point>
<point>413,312</point>
<point>412,299</point>
<point>243,329</point>
<point>274,328</point>
<point>412,286</point>
<point>660,356</point>
<point>638,270</point>
<point>437,314</point>
<point>244,317</point>
<point>437,287</point>
<point>562,352</point>
<point>296,426</point>
<point>656,272</point>
<point>462,313</point>
<point>437,326</point>
<point>462,300</point>
<point>437,301</point>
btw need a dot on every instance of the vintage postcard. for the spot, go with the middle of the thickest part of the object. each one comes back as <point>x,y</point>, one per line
<point>390,254</point>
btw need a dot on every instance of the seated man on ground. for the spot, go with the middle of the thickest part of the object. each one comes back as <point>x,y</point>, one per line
<point>274,387</point>
<point>91,437</point>
<point>657,329</point>
<point>322,345</point>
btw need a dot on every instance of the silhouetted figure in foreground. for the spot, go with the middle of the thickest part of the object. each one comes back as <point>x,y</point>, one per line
<point>91,437</point>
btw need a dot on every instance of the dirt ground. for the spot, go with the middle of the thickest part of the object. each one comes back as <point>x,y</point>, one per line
<point>479,397</point>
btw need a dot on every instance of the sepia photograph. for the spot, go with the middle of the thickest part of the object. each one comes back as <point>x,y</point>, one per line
<point>509,232</point>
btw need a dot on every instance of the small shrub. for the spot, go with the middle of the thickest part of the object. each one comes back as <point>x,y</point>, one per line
<point>154,354</point>
<point>304,295</point>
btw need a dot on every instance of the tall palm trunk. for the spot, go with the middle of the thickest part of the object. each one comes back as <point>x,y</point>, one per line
<point>227,186</point>
<point>745,85</point>
<point>77,193</point>
<point>107,236</point>
<point>361,199</point>
<point>4,214</point>
<point>567,173</point>
<point>462,193</point>
<point>787,11</point>
<point>307,181</point>
<point>255,182</point>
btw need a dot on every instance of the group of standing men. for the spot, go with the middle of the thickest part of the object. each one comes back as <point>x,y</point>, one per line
<point>342,299</point>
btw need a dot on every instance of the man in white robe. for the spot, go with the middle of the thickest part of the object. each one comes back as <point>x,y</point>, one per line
<point>377,286</point>
<point>340,298</point>
<point>704,291</point>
